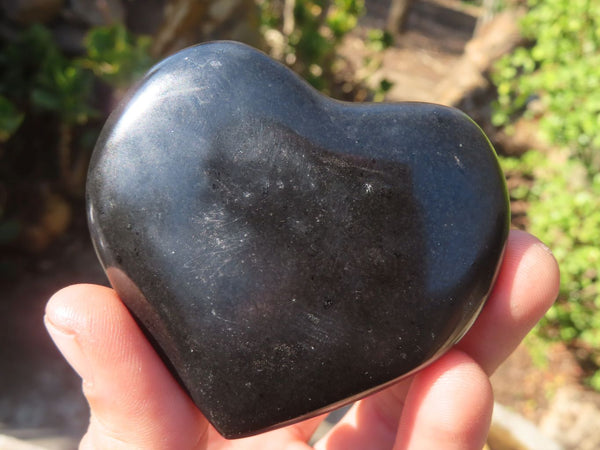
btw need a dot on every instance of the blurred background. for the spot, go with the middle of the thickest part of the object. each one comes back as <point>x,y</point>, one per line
<point>527,71</point>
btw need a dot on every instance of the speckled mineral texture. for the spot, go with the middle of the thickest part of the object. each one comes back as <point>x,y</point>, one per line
<point>286,253</point>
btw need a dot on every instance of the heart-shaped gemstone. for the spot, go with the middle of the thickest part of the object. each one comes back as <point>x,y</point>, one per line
<point>286,253</point>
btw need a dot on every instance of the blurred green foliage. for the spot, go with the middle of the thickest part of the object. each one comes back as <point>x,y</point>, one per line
<point>45,92</point>
<point>310,35</point>
<point>377,41</point>
<point>564,211</point>
<point>116,56</point>
<point>556,81</point>
<point>36,77</point>
<point>558,76</point>
<point>308,39</point>
<point>10,118</point>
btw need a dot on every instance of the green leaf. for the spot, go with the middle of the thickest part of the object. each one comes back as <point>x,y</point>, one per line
<point>117,56</point>
<point>10,119</point>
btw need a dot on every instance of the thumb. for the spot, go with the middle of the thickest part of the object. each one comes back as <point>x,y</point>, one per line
<point>134,401</point>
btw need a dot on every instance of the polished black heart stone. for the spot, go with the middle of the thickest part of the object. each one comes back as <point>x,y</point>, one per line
<point>286,253</point>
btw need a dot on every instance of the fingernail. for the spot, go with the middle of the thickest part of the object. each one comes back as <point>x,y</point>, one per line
<point>66,341</point>
<point>545,247</point>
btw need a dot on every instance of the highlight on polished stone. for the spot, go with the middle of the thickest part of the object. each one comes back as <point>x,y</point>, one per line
<point>286,253</point>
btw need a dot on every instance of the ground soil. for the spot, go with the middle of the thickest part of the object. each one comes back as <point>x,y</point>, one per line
<point>433,42</point>
<point>41,399</point>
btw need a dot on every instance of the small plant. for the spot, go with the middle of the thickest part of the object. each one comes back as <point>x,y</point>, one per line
<point>305,34</point>
<point>48,118</point>
<point>116,56</point>
<point>36,77</point>
<point>10,119</point>
<point>555,80</point>
<point>377,42</point>
<point>556,76</point>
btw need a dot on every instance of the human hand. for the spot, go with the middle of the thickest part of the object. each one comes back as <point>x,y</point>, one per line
<point>135,402</point>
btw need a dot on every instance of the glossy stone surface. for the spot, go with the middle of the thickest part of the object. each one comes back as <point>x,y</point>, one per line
<point>286,253</point>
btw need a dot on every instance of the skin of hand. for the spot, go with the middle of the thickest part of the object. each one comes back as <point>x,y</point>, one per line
<point>135,403</point>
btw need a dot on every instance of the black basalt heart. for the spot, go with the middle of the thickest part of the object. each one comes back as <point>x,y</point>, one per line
<point>286,253</point>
